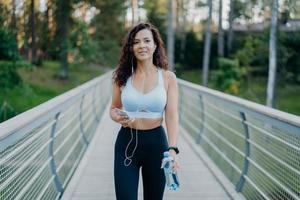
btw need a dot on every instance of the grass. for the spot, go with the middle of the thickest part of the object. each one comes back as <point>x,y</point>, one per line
<point>287,97</point>
<point>45,76</point>
<point>40,84</point>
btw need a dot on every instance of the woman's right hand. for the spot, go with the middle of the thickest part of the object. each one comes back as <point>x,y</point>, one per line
<point>125,121</point>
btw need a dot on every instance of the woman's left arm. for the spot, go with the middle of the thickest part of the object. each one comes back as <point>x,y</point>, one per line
<point>171,113</point>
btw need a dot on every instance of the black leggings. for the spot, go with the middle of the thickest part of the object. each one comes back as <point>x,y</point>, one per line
<point>148,155</point>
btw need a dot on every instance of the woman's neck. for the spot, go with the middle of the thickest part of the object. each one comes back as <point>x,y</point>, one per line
<point>146,67</point>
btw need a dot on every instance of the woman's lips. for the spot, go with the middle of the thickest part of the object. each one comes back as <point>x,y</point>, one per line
<point>143,52</point>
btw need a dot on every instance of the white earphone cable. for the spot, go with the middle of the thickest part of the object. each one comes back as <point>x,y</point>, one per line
<point>128,158</point>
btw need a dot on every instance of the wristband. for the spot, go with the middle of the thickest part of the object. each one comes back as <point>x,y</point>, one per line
<point>174,148</point>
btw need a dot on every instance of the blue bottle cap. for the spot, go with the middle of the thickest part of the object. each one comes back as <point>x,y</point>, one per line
<point>166,154</point>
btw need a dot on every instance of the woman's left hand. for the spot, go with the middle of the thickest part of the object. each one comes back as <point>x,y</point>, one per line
<point>176,160</point>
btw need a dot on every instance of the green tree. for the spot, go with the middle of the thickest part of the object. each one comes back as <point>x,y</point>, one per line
<point>272,55</point>
<point>289,59</point>
<point>6,111</point>
<point>33,32</point>
<point>156,14</point>
<point>207,46</point>
<point>182,21</point>
<point>8,43</point>
<point>9,78</point>
<point>63,13</point>
<point>82,46</point>
<point>229,75</point>
<point>238,9</point>
<point>109,30</point>
<point>47,40</point>
<point>189,57</point>
<point>170,35</point>
<point>220,31</point>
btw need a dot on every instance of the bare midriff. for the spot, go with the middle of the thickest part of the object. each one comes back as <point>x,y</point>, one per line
<point>146,124</point>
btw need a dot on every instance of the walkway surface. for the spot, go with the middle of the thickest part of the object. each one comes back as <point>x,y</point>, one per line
<point>93,179</point>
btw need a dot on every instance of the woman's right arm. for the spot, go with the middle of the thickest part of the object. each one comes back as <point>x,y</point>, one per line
<point>116,103</point>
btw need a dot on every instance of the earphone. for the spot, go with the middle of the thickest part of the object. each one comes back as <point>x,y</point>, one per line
<point>128,158</point>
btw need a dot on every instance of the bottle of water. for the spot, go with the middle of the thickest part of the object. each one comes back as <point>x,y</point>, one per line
<point>172,182</point>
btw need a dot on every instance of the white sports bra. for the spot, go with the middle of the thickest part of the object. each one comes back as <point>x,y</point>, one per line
<point>149,105</point>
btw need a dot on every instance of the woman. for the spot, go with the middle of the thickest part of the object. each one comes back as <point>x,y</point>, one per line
<point>145,89</point>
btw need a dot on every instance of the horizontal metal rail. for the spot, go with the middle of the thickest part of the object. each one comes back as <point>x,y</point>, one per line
<point>269,167</point>
<point>41,148</point>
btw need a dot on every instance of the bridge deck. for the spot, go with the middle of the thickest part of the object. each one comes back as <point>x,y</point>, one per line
<point>93,180</point>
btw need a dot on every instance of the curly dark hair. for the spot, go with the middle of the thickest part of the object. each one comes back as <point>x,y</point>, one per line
<point>123,71</point>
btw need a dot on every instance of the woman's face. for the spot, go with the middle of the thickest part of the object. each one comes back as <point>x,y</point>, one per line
<point>143,45</point>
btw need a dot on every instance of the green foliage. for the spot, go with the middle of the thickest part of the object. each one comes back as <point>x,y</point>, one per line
<point>39,85</point>
<point>241,9</point>
<point>22,98</point>
<point>228,76</point>
<point>6,111</point>
<point>5,14</point>
<point>109,52</point>
<point>83,48</point>
<point>253,52</point>
<point>25,64</point>
<point>2,11</point>
<point>246,54</point>
<point>289,56</point>
<point>191,58</point>
<point>193,76</point>
<point>156,15</point>
<point>8,45</point>
<point>109,32</point>
<point>256,91</point>
<point>9,77</point>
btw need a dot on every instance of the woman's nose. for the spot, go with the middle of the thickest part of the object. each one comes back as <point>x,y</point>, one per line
<point>142,44</point>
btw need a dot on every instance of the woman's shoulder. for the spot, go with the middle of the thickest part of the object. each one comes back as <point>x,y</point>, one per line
<point>169,75</point>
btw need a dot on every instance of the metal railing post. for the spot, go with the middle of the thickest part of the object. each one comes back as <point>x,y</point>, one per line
<point>240,184</point>
<point>85,140</point>
<point>57,181</point>
<point>198,139</point>
<point>94,104</point>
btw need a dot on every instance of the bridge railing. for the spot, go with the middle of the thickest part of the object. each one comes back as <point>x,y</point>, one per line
<point>41,148</point>
<point>256,147</point>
